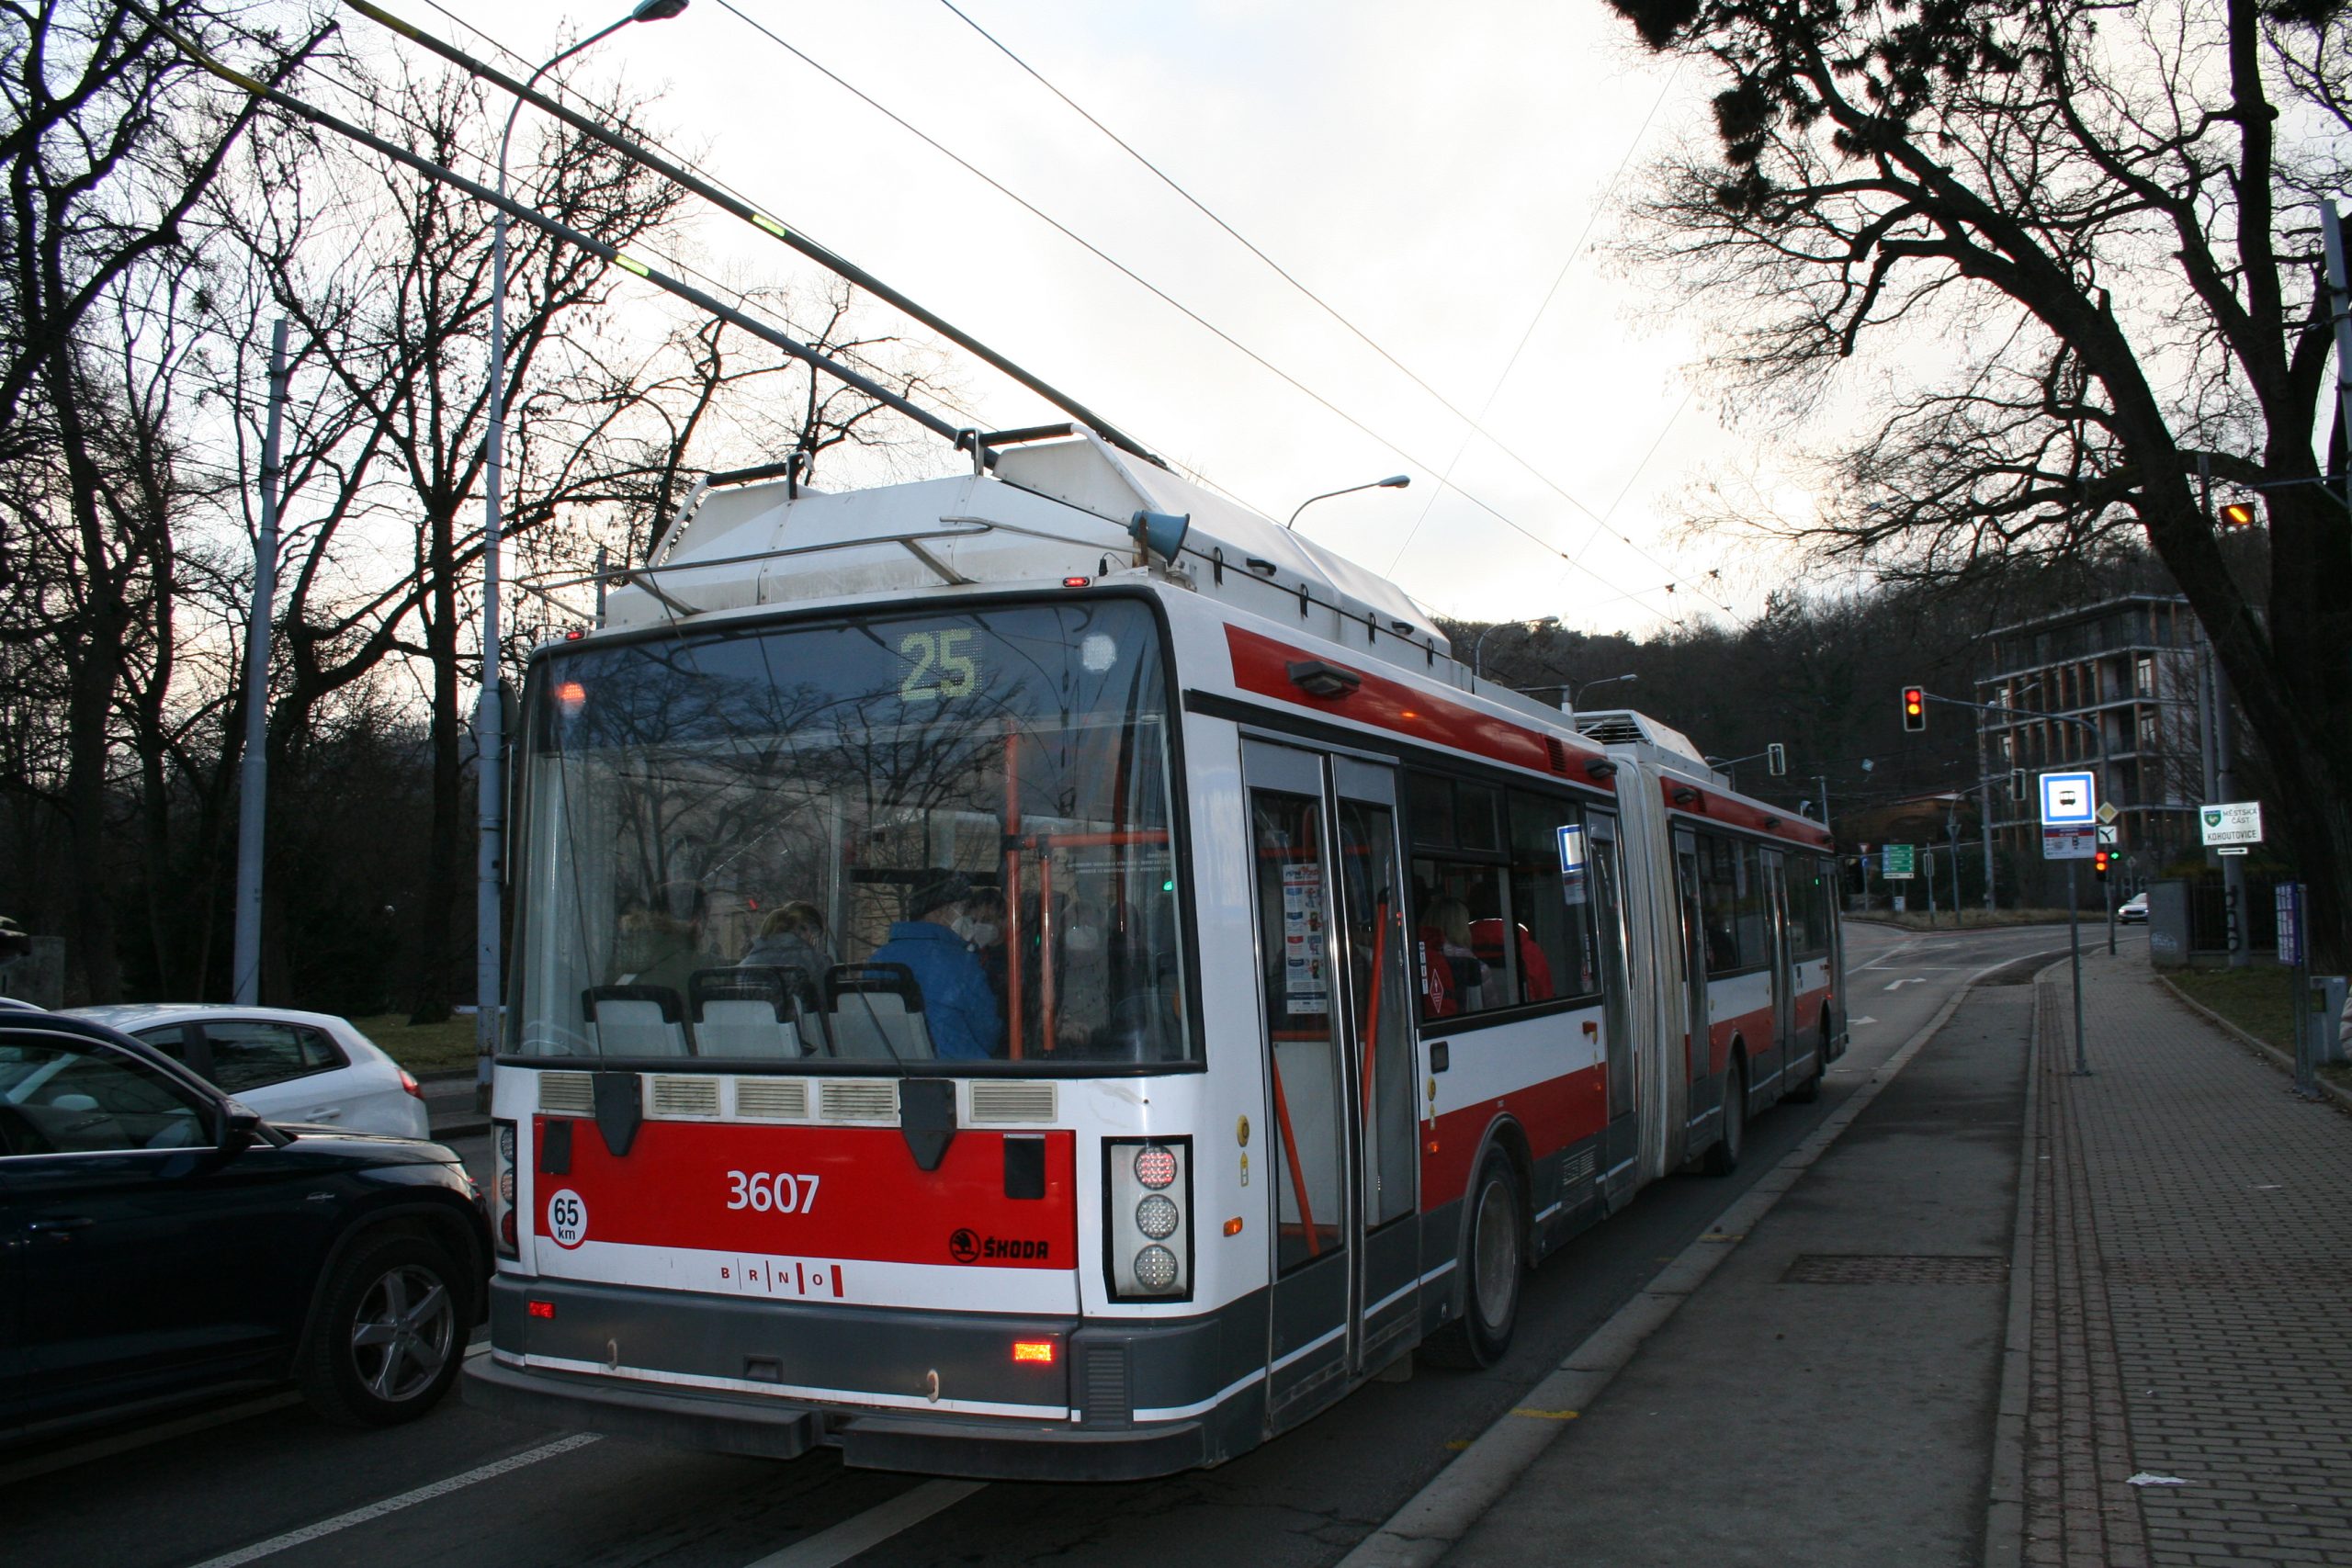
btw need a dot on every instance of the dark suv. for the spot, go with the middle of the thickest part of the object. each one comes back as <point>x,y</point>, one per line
<point>159,1241</point>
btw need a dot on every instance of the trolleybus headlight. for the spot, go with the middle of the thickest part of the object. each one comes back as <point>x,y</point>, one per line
<point>1154,1267</point>
<point>1155,1216</point>
<point>1155,1166</point>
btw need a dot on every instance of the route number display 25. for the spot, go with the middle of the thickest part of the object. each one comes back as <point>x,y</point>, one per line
<point>938,664</point>
<point>777,1192</point>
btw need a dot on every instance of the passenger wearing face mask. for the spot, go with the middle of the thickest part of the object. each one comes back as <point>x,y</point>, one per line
<point>960,1010</point>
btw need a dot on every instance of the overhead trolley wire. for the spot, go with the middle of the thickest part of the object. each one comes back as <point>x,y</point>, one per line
<point>736,206</point>
<point>516,209</point>
<point>1474,422</point>
<point>1161,294</point>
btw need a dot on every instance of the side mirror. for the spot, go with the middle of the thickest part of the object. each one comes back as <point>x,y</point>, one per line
<point>239,1127</point>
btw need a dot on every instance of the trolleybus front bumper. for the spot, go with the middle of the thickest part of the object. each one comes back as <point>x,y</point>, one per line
<point>648,1365</point>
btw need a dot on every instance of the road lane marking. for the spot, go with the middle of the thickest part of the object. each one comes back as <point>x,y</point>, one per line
<point>870,1529</point>
<point>308,1533</point>
<point>1910,980</point>
<point>1857,1023</point>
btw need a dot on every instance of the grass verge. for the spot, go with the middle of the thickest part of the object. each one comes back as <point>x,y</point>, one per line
<point>1974,919</point>
<point>2256,999</point>
<point>429,1048</point>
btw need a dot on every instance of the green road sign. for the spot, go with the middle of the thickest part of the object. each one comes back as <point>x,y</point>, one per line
<point>1899,861</point>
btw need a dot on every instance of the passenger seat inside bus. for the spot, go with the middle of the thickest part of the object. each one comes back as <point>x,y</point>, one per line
<point>746,1012</point>
<point>635,1021</point>
<point>876,1012</point>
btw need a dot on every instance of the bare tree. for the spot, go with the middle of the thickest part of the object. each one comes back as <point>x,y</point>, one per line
<point>2078,239</point>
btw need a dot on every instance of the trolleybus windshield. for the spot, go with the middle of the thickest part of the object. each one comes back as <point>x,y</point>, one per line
<point>942,836</point>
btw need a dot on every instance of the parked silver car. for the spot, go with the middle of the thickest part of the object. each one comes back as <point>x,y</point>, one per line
<point>288,1066</point>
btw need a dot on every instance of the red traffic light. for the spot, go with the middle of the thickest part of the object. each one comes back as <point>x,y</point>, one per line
<point>2100,860</point>
<point>1915,707</point>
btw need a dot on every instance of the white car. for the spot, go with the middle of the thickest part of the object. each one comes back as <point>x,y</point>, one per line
<point>288,1066</point>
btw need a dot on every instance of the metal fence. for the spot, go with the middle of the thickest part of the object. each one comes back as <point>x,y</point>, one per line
<point>2209,913</point>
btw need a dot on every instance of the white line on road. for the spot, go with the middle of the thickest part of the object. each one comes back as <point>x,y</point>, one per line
<point>278,1543</point>
<point>1909,980</point>
<point>1857,1023</point>
<point>872,1528</point>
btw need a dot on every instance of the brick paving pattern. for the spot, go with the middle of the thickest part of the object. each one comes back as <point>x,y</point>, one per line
<point>2192,1289</point>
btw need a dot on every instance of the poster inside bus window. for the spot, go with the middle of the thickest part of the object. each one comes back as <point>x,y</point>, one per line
<point>1306,988</point>
<point>1573,862</point>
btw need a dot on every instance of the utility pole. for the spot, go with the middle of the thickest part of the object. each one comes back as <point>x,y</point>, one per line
<point>2224,785</point>
<point>254,791</point>
<point>1951,832</point>
<point>1985,832</point>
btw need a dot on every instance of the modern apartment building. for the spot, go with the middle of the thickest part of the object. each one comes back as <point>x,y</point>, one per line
<point>2132,668</point>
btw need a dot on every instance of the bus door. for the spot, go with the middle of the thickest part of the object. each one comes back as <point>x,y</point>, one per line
<point>1784,987</point>
<point>1621,1172</point>
<point>1700,1095</point>
<point>1339,1071</point>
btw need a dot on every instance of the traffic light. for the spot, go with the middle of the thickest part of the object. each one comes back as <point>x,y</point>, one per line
<point>1776,759</point>
<point>2017,783</point>
<point>2100,860</point>
<point>2239,514</point>
<point>1914,708</point>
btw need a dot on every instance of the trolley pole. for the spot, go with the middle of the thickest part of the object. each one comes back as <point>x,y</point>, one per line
<point>2075,946</point>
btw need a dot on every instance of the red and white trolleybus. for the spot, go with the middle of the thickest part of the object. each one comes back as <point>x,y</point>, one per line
<point>1011,982</point>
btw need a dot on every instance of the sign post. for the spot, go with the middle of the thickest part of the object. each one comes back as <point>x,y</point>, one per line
<point>2107,815</point>
<point>2070,833</point>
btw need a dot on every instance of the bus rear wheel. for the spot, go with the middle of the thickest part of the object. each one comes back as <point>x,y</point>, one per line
<point>1808,1092</point>
<point>1494,1256</point>
<point>1722,1158</point>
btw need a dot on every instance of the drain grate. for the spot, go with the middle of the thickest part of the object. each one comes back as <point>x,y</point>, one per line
<point>1894,1269</point>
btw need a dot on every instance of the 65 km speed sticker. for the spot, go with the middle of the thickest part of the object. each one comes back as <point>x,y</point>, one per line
<point>566,1219</point>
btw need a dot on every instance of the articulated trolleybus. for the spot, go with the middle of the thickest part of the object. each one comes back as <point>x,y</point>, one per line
<point>1045,974</point>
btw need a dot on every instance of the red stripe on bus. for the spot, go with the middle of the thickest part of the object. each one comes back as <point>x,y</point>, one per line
<point>1261,664</point>
<point>1554,1113</point>
<point>871,1202</point>
<point>1717,806</point>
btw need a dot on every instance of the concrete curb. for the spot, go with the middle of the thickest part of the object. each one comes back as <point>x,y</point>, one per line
<point>2255,1043</point>
<point>1436,1519</point>
<point>2004,1492</point>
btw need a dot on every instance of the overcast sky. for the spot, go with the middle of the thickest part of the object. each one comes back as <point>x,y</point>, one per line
<point>1428,172</point>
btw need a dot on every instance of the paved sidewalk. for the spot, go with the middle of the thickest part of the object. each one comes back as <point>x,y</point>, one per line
<point>1829,1395</point>
<point>2004,1292</point>
<point>2192,1294</point>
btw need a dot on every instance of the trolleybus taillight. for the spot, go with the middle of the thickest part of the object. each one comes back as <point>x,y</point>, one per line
<point>1149,1238</point>
<point>503,1224</point>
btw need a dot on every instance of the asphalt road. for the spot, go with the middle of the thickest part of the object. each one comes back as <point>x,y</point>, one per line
<point>264,1481</point>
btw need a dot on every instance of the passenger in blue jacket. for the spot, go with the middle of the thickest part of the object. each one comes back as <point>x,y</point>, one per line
<point>959,1006</point>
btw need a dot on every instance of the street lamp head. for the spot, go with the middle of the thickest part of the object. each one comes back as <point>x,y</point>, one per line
<point>655,10</point>
<point>1394,481</point>
<point>1547,620</point>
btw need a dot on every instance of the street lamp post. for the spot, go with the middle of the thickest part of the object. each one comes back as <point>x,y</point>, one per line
<point>1478,648</point>
<point>1604,681</point>
<point>489,720</point>
<point>1394,481</point>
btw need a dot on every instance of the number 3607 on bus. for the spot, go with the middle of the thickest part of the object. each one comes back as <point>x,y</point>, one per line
<point>782,1191</point>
